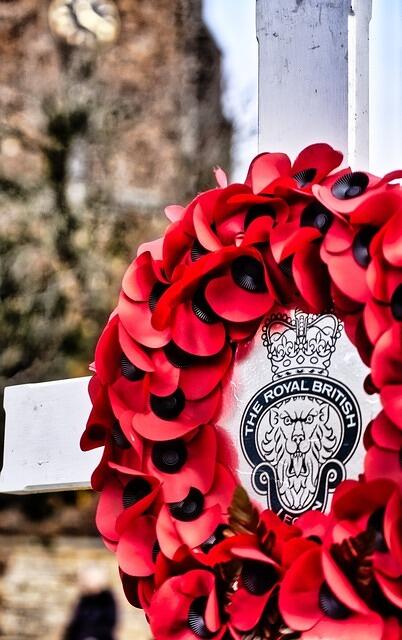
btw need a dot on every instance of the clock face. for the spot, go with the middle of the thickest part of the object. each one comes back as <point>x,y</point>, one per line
<point>84,22</point>
<point>294,408</point>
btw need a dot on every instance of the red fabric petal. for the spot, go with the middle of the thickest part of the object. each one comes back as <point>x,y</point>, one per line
<point>125,395</point>
<point>107,353</point>
<point>136,319</point>
<point>378,209</point>
<point>221,492</point>
<point>385,434</point>
<point>174,212</point>
<point>229,228</point>
<point>195,336</point>
<point>340,586</point>
<point>201,379</point>
<point>391,397</point>
<point>154,248</point>
<point>109,507</point>
<point>176,244</point>
<point>134,550</point>
<point>140,277</point>
<point>387,358</point>
<point>232,303</point>
<point>287,239</point>
<point>357,626</point>
<point>220,177</point>
<point>266,168</point>
<point>318,156</point>
<point>392,240</point>
<point>202,225</point>
<point>298,595</point>
<point>382,279</point>
<point>134,352</point>
<point>165,378</point>
<point>339,237</point>
<point>392,589</point>
<point>197,472</point>
<point>311,277</point>
<point>238,331</point>
<point>196,532</point>
<point>383,463</point>
<point>246,609</point>
<point>349,276</point>
<point>194,414</point>
<point>377,319</point>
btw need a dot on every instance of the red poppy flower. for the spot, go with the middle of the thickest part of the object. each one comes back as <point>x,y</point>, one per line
<point>126,495</point>
<point>259,576</point>
<point>273,171</point>
<point>387,560</point>
<point>183,463</point>
<point>137,546</point>
<point>311,166</point>
<point>243,293</point>
<point>172,416</point>
<point>316,598</point>
<point>381,314</point>
<point>138,591</point>
<point>382,459</point>
<point>191,279</point>
<point>194,519</point>
<point>101,419</point>
<point>264,556</point>
<point>354,502</point>
<point>196,329</point>
<point>122,364</point>
<point>190,296</point>
<point>197,376</point>
<point>347,254</point>
<point>345,193</point>
<point>374,507</point>
<point>356,331</point>
<point>116,436</point>
<point>238,208</point>
<point>379,217</point>
<point>300,245</point>
<point>387,356</point>
<point>186,607</point>
<point>316,525</point>
<point>142,286</point>
<point>181,243</point>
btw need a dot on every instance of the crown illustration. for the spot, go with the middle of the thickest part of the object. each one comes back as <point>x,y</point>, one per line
<point>300,344</point>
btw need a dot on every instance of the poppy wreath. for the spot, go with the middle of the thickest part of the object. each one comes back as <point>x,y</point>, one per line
<point>193,550</point>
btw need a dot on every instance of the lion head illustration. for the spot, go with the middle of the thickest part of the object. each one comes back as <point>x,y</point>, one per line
<point>296,441</point>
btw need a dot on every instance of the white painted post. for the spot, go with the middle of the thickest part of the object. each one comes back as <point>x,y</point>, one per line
<point>313,75</point>
<point>313,79</point>
<point>44,423</point>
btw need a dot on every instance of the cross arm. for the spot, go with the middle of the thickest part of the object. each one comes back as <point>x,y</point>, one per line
<point>44,423</point>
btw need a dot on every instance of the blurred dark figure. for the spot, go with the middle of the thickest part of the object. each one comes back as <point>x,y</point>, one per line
<point>95,615</point>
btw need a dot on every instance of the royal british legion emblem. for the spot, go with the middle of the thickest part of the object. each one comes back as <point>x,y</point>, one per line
<point>298,432</point>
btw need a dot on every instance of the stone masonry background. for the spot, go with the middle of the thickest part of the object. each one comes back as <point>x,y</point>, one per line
<point>94,143</point>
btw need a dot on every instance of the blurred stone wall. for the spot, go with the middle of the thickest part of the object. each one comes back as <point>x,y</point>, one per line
<point>94,142</point>
<point>39,588</point>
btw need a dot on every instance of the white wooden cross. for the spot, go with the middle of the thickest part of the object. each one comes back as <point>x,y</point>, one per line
<point>313,86</point>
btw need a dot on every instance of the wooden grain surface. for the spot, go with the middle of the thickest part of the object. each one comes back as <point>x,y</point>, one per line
<point>313,75</point>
